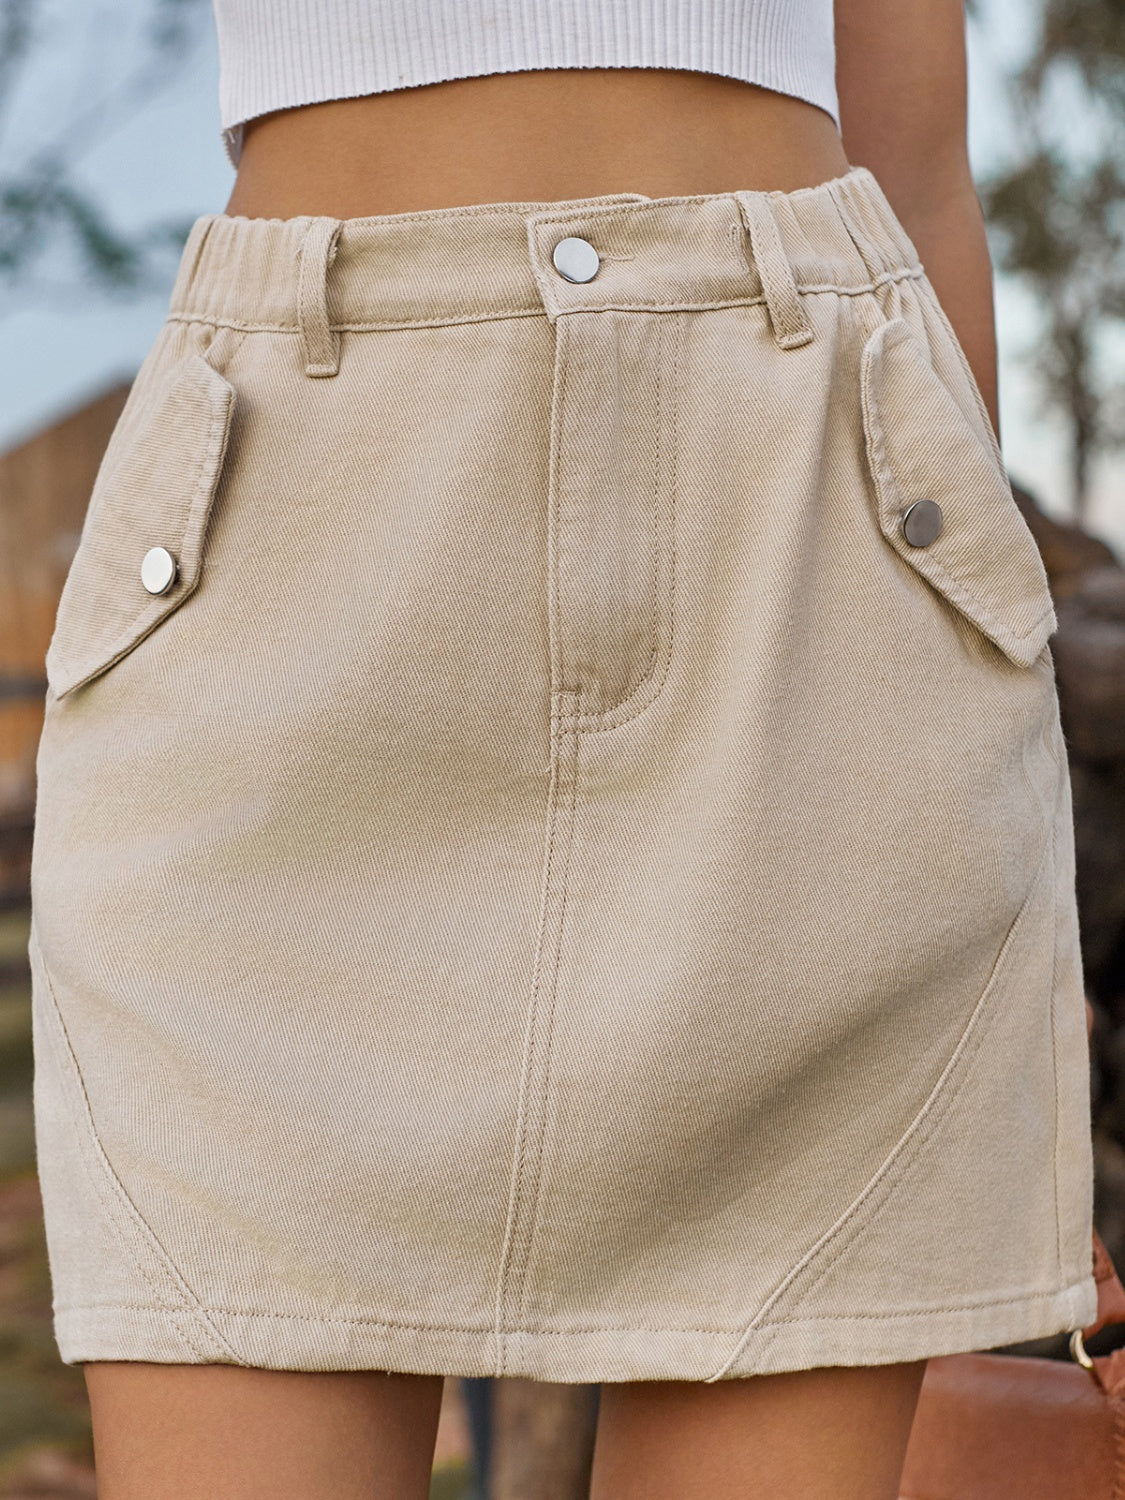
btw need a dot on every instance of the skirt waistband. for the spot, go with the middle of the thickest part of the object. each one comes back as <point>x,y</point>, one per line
<point>495,260</point>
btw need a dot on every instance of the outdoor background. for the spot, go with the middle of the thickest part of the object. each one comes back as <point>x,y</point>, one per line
<point>110,147</point>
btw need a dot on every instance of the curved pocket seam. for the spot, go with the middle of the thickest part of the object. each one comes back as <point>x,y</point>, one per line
<point>860,1216</point>
<point>128,1224</point>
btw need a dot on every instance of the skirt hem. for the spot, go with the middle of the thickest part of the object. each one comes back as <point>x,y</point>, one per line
<point>573,1356</point>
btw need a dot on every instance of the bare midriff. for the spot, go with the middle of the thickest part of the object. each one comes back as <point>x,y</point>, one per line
<point>532,137</point>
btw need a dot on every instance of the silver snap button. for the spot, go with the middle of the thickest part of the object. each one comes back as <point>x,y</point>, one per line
<point>576,259</point>
<point>922,522</point>
<point>158,570</point>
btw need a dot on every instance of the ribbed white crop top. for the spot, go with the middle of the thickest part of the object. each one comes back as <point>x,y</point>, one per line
<point>277,53</point>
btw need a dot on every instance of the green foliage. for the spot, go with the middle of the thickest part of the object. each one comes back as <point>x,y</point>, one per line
<point>1057,216</point>
<point>34,205</point>
<point>43,206</point>
<point>43,202</point>
<point>15,35</point>
<point>1090,34</point>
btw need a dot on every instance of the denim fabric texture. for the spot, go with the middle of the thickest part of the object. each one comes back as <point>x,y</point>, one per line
<point>559,885</point>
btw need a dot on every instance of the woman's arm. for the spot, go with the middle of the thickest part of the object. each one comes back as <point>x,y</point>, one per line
<point>901,79</point>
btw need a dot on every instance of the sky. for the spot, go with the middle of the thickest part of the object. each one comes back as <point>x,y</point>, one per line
<point>163,158</point>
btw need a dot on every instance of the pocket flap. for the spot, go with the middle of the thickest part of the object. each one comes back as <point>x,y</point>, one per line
<point>154,488</point>
<point>922,445</point>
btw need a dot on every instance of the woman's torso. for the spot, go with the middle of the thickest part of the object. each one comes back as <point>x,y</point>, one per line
<point>532,136</point>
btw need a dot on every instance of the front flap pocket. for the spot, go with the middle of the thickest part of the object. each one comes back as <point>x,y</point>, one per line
<point>922,446</point>
<point>153,490</point>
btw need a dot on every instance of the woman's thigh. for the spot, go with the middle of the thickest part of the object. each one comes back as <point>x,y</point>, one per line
<point>836,1433</point>
<point>185,1432</point>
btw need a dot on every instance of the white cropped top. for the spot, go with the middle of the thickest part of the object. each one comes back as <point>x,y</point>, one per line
<point>274,54</point>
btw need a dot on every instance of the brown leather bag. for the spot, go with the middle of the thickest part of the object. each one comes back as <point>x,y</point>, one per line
<point>1016,1427</point>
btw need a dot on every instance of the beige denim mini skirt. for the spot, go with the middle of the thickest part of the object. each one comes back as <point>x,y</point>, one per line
<point>554,851</point>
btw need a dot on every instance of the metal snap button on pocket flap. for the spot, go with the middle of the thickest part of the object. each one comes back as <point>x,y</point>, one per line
<point>973,546</point>
<point>158,570</point>
<point>922,523</point>
<point>146,520</point>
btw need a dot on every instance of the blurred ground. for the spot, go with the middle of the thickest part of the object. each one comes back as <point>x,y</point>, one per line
<point>45,1448</point>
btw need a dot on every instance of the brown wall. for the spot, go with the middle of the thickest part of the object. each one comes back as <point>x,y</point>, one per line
<point>45,486</point>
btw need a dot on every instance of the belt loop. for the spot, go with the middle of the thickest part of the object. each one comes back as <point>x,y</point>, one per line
<point>320,345</point>
<point>791,327</point>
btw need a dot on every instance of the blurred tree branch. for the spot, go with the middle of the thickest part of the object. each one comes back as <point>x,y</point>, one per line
<point>15,37</point>
<point>42,202</point>
<point>1057,216</point>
